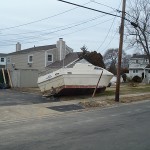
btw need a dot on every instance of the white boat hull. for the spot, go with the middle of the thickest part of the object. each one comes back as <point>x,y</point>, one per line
<point>75,83</point>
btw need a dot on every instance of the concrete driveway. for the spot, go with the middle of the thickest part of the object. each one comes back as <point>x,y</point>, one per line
<point>10,97</point>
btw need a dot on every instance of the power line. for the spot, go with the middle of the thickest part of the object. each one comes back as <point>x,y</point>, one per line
<point>90,8</point>
<point>48,29</point>
<point>110,41</point>
<point>66,28</point>
<point>106,35</point>
<point>108,30</point>
<point>62,34</point>
<point>41,19</point>
<point>106,6</point>
<point>99,11</point>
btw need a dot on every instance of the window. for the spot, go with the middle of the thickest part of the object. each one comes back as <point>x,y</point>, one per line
<point>2,59</point>
<point>30,58</point>
<point>49,58</point>
<point>136,61</point>
<point>148,71</point>
<point>135,71</point>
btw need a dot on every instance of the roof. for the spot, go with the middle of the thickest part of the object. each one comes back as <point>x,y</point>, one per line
<point>139,56</point>
<point>32,49</point>
<point>3,55</point>
<point>68,59</point>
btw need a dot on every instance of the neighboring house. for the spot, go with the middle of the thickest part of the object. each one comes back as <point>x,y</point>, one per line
<point>2,60</point>
<point>139,66</point>
<point>37,57</point>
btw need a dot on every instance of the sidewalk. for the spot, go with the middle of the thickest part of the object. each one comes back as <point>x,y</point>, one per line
<point>35,111</point>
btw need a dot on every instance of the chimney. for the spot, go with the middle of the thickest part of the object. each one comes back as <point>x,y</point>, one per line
<point>61,45</point>
<point>18,47</point>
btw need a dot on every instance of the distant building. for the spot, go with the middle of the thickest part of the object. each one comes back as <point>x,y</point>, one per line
<point>139,66</point>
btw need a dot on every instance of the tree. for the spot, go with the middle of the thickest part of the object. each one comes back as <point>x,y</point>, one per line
<point>111,58</point>
<point>138,35</point>
<point>92,57</point>
<point>113,68</point>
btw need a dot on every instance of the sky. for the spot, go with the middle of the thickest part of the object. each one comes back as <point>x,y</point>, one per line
<point>43,22</point>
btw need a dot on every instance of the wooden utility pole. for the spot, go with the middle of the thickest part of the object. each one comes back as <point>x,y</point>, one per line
<point>120,52</point>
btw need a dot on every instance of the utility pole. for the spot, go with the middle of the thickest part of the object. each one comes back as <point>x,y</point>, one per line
<point>117,93</point>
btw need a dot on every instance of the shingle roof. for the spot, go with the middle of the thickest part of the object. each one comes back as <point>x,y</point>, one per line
<point>68,59</point>
<point>3,55</point>
<point>139,56</point>
<point>32,49</point>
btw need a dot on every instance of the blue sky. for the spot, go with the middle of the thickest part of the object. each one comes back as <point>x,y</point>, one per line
<point>44,22</point>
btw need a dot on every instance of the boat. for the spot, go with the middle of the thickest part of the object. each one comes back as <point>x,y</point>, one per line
<point>79,78</point>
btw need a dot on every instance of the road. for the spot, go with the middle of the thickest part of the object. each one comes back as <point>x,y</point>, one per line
<point>125,127</point>
<point>10,97</point>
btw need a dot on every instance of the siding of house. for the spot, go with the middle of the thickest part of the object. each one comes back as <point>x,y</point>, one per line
<point>136,72</point>
<point>24,78</point>
<point>20,61</point>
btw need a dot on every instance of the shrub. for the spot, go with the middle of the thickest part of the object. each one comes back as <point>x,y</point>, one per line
<point>124,77</point>
<point>137,79</point>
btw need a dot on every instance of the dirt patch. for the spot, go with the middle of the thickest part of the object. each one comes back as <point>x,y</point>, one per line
<point>89,104</point>
<point>108,101</point>
<point>134,98</point>
<point>29,90</point>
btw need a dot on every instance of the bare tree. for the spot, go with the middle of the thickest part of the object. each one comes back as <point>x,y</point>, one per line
<point>111,58</point>
<point>138,34</point>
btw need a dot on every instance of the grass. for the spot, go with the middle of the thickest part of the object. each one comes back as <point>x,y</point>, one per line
<point>102,99</point>
<point>127,89</point>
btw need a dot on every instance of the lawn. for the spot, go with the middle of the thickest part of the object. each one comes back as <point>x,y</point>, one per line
<point>127,89</point>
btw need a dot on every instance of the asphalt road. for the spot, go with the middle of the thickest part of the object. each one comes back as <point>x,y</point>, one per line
<point>10,97</point>
<point>126,127</point>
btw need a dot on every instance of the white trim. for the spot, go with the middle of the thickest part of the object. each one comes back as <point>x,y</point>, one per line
<point>46,57</point>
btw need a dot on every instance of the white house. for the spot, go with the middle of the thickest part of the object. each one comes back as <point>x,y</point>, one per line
<point>139,66</point>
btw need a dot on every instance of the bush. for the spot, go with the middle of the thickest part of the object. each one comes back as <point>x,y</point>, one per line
<point>124,77</point>
<point>137,79</point>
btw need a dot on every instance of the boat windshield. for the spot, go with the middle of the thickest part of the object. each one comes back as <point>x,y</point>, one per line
<point>98,68</point>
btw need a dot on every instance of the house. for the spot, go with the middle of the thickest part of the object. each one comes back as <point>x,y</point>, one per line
<point>139,66</point>
<point>37,57</point>
<point>2,60</point>
<point>25,65</point>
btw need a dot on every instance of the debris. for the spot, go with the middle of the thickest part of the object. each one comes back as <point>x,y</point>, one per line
<point>88,104</point>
